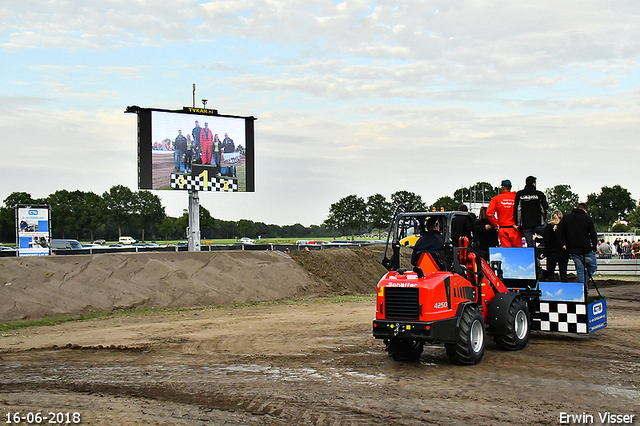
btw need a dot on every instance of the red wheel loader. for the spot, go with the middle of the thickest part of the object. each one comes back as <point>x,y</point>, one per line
<point>449,296</point>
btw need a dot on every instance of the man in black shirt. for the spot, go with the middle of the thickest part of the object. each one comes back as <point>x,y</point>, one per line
<point>578,235</point>
<point>530,210</point>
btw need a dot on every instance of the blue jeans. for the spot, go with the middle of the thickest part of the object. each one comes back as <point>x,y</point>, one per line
<point>591,266</point>
<point>177,157</point>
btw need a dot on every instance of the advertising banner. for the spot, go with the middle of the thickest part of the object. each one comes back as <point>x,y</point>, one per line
<point>597,315</point>
<point>33,232</point>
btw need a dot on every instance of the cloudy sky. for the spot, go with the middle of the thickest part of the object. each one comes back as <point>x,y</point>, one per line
<point>353,97</point>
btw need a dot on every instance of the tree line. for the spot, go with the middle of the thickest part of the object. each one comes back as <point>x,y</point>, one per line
<point>613,209</point>
<point>87,216</point>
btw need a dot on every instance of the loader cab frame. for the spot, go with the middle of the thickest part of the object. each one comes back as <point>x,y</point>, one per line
<point>450,224</point>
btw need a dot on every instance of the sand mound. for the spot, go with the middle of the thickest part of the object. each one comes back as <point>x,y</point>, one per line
<point>347,270</point>
<point>37,287</point>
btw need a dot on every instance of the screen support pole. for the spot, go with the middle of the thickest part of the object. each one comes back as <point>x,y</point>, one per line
<point>193,242</point>
<point>194,221</point>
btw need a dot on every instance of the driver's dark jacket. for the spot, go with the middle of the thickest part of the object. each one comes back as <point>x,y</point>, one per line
<point>432,241</point>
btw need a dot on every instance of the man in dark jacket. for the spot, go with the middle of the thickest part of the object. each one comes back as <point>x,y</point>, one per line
<point>431,241</point>
<point>530,210</point>
<point>228,147</point>
<point>578,235</point>
<point>197,149</point>
<point>180,146</point>
<point>227,144</point>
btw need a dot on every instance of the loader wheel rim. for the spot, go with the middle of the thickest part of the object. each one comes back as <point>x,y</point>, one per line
<point>521,324</point>
<point>476,335</point>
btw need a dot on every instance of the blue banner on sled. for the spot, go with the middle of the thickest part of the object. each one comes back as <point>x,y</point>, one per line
<point>597,312</point>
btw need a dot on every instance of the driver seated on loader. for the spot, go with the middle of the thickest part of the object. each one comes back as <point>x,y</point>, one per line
<point>430,241</point>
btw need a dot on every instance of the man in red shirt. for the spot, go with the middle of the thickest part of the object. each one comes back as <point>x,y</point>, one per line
<point>503,205</point>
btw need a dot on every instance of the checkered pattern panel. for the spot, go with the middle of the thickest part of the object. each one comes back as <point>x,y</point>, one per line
<point>220,184</point>
<point>567,317</point>
<point>186,182</point>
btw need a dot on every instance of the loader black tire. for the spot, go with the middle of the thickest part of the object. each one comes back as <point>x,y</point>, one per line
<point>471,338</point>
<point>404,349</point>
<point>518,327</point>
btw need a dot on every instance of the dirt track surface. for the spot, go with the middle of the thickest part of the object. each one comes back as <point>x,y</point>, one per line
<point>312,362</point>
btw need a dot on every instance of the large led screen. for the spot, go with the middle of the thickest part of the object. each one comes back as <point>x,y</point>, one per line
<point>195,149</point>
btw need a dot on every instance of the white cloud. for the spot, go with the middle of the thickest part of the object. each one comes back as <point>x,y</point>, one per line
<point>67,91</point>
<point>355,97</point>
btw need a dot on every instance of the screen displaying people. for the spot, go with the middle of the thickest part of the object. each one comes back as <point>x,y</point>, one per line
<point>190,147</point>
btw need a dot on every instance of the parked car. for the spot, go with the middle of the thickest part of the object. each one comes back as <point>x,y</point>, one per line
<point>91,245</point>
<point>62,244</point>
<point>126,240</point>
<point>246,240</point>
<point>99,242</point>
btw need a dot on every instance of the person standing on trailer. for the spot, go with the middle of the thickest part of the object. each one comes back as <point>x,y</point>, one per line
<point>554,250</point>
<point>500,215</point>
<point>578,236</point>
<point>530,210</point>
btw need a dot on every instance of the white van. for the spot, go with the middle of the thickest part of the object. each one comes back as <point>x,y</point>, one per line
<point>126,240</point>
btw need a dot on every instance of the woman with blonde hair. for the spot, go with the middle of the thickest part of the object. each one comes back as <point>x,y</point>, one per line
<point>553,249</point>
<point>188,155</point>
